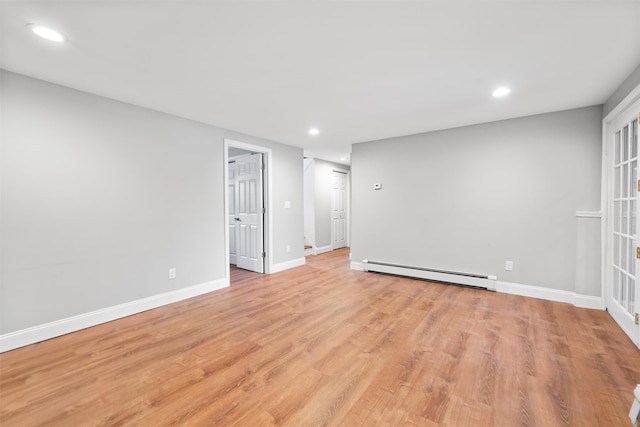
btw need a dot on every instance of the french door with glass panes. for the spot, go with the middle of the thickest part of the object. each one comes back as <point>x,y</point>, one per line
<point>622,285</point>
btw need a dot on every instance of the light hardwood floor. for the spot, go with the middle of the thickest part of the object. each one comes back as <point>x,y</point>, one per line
<point>323,345</point>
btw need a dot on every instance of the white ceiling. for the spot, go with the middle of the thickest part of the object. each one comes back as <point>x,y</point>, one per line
<point>357,70</point>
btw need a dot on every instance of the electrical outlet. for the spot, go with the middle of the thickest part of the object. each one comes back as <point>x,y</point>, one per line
<point>508,265</point>
<point>172,273</point>
<point>288,248</point>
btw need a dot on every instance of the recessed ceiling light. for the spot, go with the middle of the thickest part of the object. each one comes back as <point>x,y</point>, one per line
<point>343,158</point>
<point>47,33</point>
<point>501,91</point>
<point>313,131</point>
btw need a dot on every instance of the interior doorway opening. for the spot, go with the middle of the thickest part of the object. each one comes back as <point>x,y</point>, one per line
<point>247,206</point>
<point>326,205</point>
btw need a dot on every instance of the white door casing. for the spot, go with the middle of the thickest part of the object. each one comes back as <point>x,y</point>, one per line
<point>250,213</point>
<point>622,287</point>
<point>268,203</point>
<point>232,212</point>
<point>339,210</point>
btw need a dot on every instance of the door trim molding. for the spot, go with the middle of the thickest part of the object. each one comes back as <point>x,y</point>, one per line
<point>607,125</point>
<point>607,176</point>
<point>268,226</point>
<point>347,172</point>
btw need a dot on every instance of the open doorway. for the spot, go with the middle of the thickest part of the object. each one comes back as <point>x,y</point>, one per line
<point>326,205</point>
<point>247,203</point>
<point>339,210</point>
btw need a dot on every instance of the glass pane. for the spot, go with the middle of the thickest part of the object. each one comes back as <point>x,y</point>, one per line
<point>632,262</point>
<point>617,147</point>
<point>616,216</point>
<point>625,143</point>
<point>616,250</point>
<point>634,139</point>
<point>632,223</point>
<point>616,183</point>
<point>625,217</point>
<point>625,180</point>
<point>616,284</point>
<point>623,253</point>
<point>623,290</point>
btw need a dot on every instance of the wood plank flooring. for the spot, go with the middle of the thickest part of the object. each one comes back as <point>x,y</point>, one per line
<point>321,345</point>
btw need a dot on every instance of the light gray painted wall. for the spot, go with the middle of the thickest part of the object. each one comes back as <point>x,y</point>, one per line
<point>288,224</point>
<point>99,198</point>
<point>309,202</point>
<point>622,91</point>
<point>323,182</point>
<point>470,198</point>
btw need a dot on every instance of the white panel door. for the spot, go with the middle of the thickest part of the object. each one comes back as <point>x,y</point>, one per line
<point>250,213</point>
<point>339,210</point>
<point>622,287</point>
<point>233,203</point>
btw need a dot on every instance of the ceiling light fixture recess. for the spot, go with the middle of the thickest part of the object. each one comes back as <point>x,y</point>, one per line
<point>47,33</point>
<point>313,131</point>
<point>501,91</point>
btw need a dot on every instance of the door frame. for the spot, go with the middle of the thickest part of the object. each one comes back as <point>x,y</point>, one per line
<point>607,181</point>
<point>267,191</point>
<point>347,204</point>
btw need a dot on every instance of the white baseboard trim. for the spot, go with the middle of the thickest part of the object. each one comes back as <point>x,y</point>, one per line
<point>324,249</point>
<point>317,251</point>
<point>60,327</point>
<point>276,268</point>
<point>583,301</point>
<point>588,301</point>
<point>357,266</point>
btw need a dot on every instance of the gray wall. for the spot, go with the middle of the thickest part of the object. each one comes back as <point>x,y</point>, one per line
<point>470,198</point>
<point>288,224</point>
<point>99,198</point>
<point>309,202</point>
<point>622,91</point>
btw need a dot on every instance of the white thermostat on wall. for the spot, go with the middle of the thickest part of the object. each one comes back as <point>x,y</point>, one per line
<point>377,186</point>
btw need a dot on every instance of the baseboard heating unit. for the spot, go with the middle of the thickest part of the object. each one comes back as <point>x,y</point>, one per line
<point>477,280</point>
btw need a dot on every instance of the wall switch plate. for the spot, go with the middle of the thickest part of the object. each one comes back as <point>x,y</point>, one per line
<point>287,204</point>
<point>508,265</point>
<point>172,273</point>
<point>288,248</point>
